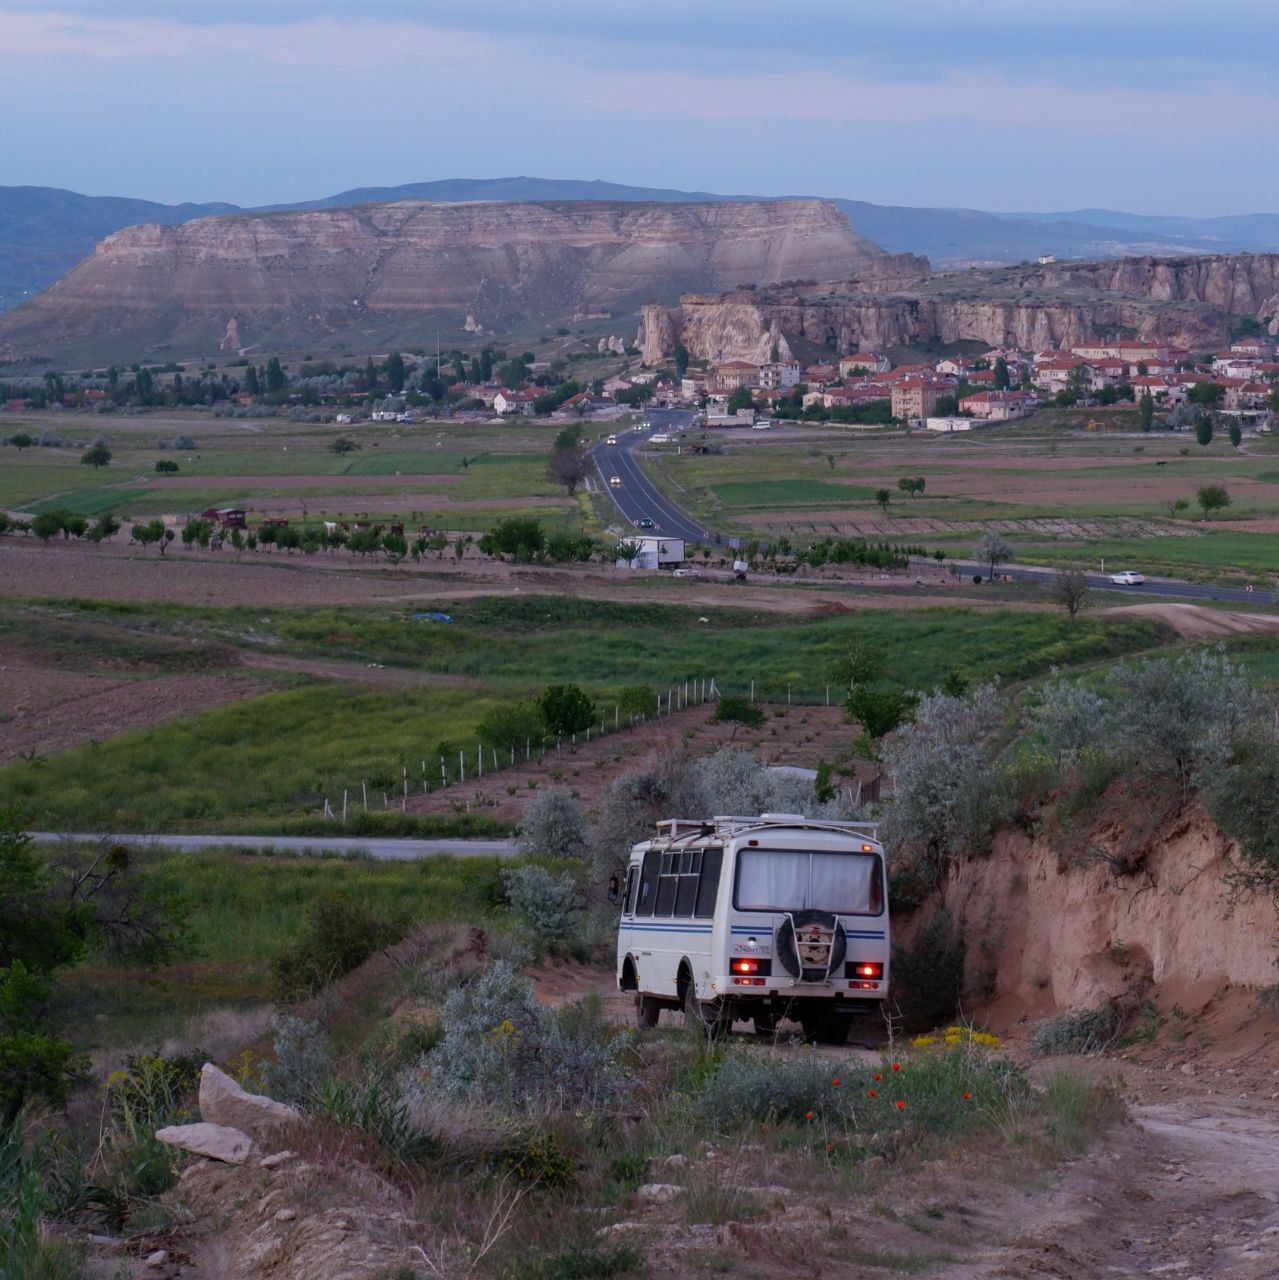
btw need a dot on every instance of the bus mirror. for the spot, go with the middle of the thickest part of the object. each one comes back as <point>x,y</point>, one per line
<point>614,886</point>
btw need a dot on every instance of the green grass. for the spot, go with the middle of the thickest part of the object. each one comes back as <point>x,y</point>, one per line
<point>1257,553</point>
<point>255,764</point>
<point>754,495</point>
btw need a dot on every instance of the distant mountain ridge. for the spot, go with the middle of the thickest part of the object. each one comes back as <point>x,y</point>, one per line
<point>45,231</point>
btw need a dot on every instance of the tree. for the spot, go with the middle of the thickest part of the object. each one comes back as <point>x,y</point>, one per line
<point>20,440</point>
<point>1212,497</point>
<point>154,531</point>
<point>879,708</point>
<point>681,359</point>
<point>46,525</point>
<point>1070,590</point>
<point>992,551</point>
<point>1206,394</point>
<point>395,374</point>
<point>1236,433</point>
<point>738,710</point>
<point>946,406</point>
<point>166,467</point>
<point>883,497</point>
<point>52,911</point>
<point>275,377</point>
<point>1175,506</point>
<point>1146,411</point>
<point>97,456</point>
<point>1079,380</point>
<point>196,532</point>
<point>251,385</point>
<point>1002,380</point>
<point>568,437</point>
<point>566,709</point>
<point>913,485</point>
<point>104,528</point>
<point>569,467</point>
<point>1203,430</point>
<point>861,663</point>
<point>740,399</point>
<point>344,445</point>
<point>628,549</point>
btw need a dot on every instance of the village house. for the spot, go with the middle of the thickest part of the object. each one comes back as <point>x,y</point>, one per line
<point>732,375</point>
<point>779,375</point>
<point>871,361</point>
<point>820,375</point>
<point>519,403</point>
<point>1053,373</point>
<point>917,397</point>
<point>956,367</point>
<point>1162,388</point>
<point>1000,406</point>
<point>692,387</point>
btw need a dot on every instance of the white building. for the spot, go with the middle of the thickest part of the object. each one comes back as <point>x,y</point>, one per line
<point>659,553</point>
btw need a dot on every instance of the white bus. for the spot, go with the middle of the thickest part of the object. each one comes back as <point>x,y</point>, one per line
<point>757,919</point>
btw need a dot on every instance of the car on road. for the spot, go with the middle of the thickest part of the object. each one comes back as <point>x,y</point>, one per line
<point>615,482</point>
<point>644,523</point>
<point>1127,578</point>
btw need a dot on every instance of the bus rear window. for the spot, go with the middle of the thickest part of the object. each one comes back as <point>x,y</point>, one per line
<point>794,880</point>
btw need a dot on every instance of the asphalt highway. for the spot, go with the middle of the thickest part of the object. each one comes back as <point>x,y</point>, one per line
<point>351,846</point>
<point>638,498</point>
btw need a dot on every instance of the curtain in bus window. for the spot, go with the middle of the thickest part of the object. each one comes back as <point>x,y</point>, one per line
<point>648,884</point>
<point>840,882</point>
<point>768,880</point>
<point>632,882</point>
<point>708,885</point>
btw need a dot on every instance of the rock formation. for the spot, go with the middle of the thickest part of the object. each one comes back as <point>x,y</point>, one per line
<point>223,1101</point>
<point>299,278</point>
<point>1183,301</point>
<point>215,1141</point>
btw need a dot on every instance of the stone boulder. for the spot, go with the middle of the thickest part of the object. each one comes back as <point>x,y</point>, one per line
<point>223,1101</point>
<point>217,1141</point>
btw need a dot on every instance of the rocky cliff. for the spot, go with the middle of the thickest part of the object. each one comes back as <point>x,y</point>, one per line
<point>303,277</point>
<point>1185,301</point>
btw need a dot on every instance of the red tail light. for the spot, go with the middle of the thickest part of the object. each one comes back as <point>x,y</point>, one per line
<point>745,966</point>
<point>865,969</point>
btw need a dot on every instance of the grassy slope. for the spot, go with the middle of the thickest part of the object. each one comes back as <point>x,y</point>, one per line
<point>262,762</point>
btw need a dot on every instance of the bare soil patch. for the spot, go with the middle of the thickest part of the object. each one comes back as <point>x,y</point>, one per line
<point>48,710</point>
<point>1194,622</point>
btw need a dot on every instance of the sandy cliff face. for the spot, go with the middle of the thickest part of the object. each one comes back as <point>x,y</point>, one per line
<point>315,273</point>
<point>1186,302</point>
<point>1059,937</point>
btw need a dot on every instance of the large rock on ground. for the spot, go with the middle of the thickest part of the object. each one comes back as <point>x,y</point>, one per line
<point>223,1101</point>
<point>217,1141</point>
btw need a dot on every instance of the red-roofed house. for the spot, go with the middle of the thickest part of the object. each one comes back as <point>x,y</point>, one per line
<point>1000,406</point>
<point>871,361</point>
<point>917,397</point>
<point>515,402</point>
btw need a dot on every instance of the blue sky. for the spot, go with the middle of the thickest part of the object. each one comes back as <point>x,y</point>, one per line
<point>1158,108</point>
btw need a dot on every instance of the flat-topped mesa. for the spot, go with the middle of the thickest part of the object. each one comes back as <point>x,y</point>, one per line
<point>1186,302</point>
<point>302,276</point>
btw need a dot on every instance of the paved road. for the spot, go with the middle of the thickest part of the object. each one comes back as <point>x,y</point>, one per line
<point>639,498</point>
<point>386,849</point>
<point>1160,588</point>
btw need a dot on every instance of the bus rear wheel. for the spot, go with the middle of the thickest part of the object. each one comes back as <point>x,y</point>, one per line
<point>647,1009</point>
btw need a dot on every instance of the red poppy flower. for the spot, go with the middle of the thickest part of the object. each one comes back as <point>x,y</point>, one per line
<point>808,1115</point>
<point>877,1076</point>
<point>835,1082</point>
<point>872,1093</point>
<point>900,1105</point>
<point>830,1146</point>
<point>967,1096</point>
<point>897,1066</point>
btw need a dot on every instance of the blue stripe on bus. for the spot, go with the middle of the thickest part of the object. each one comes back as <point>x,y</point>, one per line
<point>851,933</point>
<point>667,928</point>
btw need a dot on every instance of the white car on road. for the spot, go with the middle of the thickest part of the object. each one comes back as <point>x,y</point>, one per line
<point>1127,579</point>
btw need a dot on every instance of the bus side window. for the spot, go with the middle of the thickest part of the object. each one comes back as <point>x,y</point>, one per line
<point>648,883</point>
<point>666,886</point>
<point>690,867</point>
<point>708,884</point>
<point>632,883</point>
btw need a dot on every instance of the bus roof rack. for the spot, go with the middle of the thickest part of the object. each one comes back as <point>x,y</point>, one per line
<point>680,828</point>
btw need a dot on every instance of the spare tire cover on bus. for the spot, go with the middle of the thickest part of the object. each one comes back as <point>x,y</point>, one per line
<point>786,950</point>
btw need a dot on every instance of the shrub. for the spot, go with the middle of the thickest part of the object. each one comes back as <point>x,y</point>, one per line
<point>948,794</point>
<point>738,710</point>
<point>930,972</point>
<point>512,724</point>
<point>583,1262</point>
<point>732,780</point>
<point>566,709</point>
<point>303,1060</point>
<point>554,825</point>
<point>1243,801</point>
<point>547,903</point>
<point>378,1108</point>
<point>1066,717</point>
<point>337,935</point>
<point>1077,1031</point>
<point>662,786</point>
<point>502,1048</point>
<point>771,1087</point>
